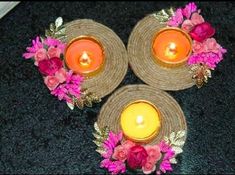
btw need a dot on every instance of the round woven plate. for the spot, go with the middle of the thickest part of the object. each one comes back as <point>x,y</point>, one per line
<point>116,62</point>
<point>142,62</point>
<point>172,117</point>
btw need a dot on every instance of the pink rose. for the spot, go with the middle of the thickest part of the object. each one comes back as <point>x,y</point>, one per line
<point>61,75</point>
<point>187,25</point>
<point>198,47</point>
<point>50,66</point>
<point>212,45</point>
<point>197,19</point>
<point>52,82</point>
<point>154,153</point>
<point>40,55</point>
<point>149,167</point>
<point>202,31</point>
<point>137,157</point>
<point>53,52</point>
<point>189,9</point>
<point>127,144</point>
<point>120,153</point>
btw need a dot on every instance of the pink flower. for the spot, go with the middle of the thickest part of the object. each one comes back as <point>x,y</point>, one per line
<point>127,144</point>
<point>154,153</point>
<point>55,43</point>
<point>176,19</point>
<point>61,74</point>
<point>198,47</point>
<point>137,157</point>
<point>149,167</point>
<point>53,52</point>
<point>40,55</point>
<point>187,25</point>
<point>51,81</point>
<point>120,153</point>
<point>189,9</point>
<point>197,19</point>
<point>202,31</point>
<point>50,67</point>
<point>36,45</point>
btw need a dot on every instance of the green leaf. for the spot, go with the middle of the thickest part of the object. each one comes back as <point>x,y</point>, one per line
<point>172,137</point>
<point>173,161</point>
<point>58,22</point>
<point>97,129</point>
<point>180,134</point>
<point>179,142</point>
<point>70,105</point>
<point>177,149</point>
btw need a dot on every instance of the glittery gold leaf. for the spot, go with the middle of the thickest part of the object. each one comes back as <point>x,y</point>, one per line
<point>201,73</point>
<point>164,15</point>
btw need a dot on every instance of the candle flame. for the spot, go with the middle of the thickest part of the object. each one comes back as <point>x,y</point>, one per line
<point>172,46</point>
<point>139,120</point>
<point>85,60</point>
<point>171,51</point>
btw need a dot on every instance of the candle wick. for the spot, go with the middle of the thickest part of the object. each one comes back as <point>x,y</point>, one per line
<point>85,59</point>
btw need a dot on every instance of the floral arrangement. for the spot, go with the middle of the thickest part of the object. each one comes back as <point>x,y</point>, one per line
<point>207,53</point>
<point>120,155</point>
<point>48,55</point>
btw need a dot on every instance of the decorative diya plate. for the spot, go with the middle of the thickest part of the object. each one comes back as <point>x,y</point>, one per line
<point>81,61</point>
<point>140,128</point>
<point>174,49</point>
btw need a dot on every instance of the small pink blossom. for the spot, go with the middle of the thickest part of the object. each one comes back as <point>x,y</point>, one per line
<point>198,47</point>
<point>120,153</point>
<point>127,144</point>
<point>55,43</point>
<point>40,55</point>
<point>189,9</point>
<point>51,81</point>
<point>176,19</point>
<point>114,167</point>
<point>187,25</point>
<point>36,45</point>
<point>149,167</point>
<point>61,74</point>
<point>153,152</point>
<point>53,52</point>
<point>197,19</point>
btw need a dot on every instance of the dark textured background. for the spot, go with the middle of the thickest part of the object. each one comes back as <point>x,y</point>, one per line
<point>39,134</point>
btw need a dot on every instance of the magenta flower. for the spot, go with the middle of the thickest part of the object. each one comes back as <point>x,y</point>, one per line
<point>71,88</point>
<point>168,153</point>
<point>36,45</point>
<point>114,167</point>
<point>189,9</point>
<point>210,59</point>
<point>51,42</point>
<point>176,19</point>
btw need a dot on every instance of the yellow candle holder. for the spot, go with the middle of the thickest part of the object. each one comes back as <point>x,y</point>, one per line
<point>155,123</point>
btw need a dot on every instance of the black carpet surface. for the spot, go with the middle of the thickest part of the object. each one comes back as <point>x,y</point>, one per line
<point>41,135</point>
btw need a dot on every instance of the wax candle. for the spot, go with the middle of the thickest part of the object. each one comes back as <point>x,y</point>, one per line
<point>84,55</point>
<point>171,47</point>
<point>140,121</point>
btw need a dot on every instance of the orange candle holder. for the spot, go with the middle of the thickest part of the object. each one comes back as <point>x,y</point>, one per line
<point>171,47</point>
<point>85,55</point>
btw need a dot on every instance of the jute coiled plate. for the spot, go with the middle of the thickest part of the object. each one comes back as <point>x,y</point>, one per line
<point>142,62</point>
<point>116,62</point>
<point>172,117</point>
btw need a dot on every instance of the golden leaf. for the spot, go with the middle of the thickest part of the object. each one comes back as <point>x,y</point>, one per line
<point>97,129</point>
<point>201,73</point>
<point>100,150</point>
<point>79,103</point>
<point>164,15</point>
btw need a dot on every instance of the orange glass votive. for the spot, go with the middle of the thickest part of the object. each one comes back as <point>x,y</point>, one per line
<point>171,47</point>
<point>85,55</point>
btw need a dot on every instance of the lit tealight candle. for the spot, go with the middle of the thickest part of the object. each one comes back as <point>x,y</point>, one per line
<point>140,121</point>
<point>171,47</point>
<point>84,55</point>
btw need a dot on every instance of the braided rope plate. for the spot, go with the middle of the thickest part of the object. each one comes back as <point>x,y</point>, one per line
<point>172,117</point>
<point>116,61</point>
<point>142,62</point>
